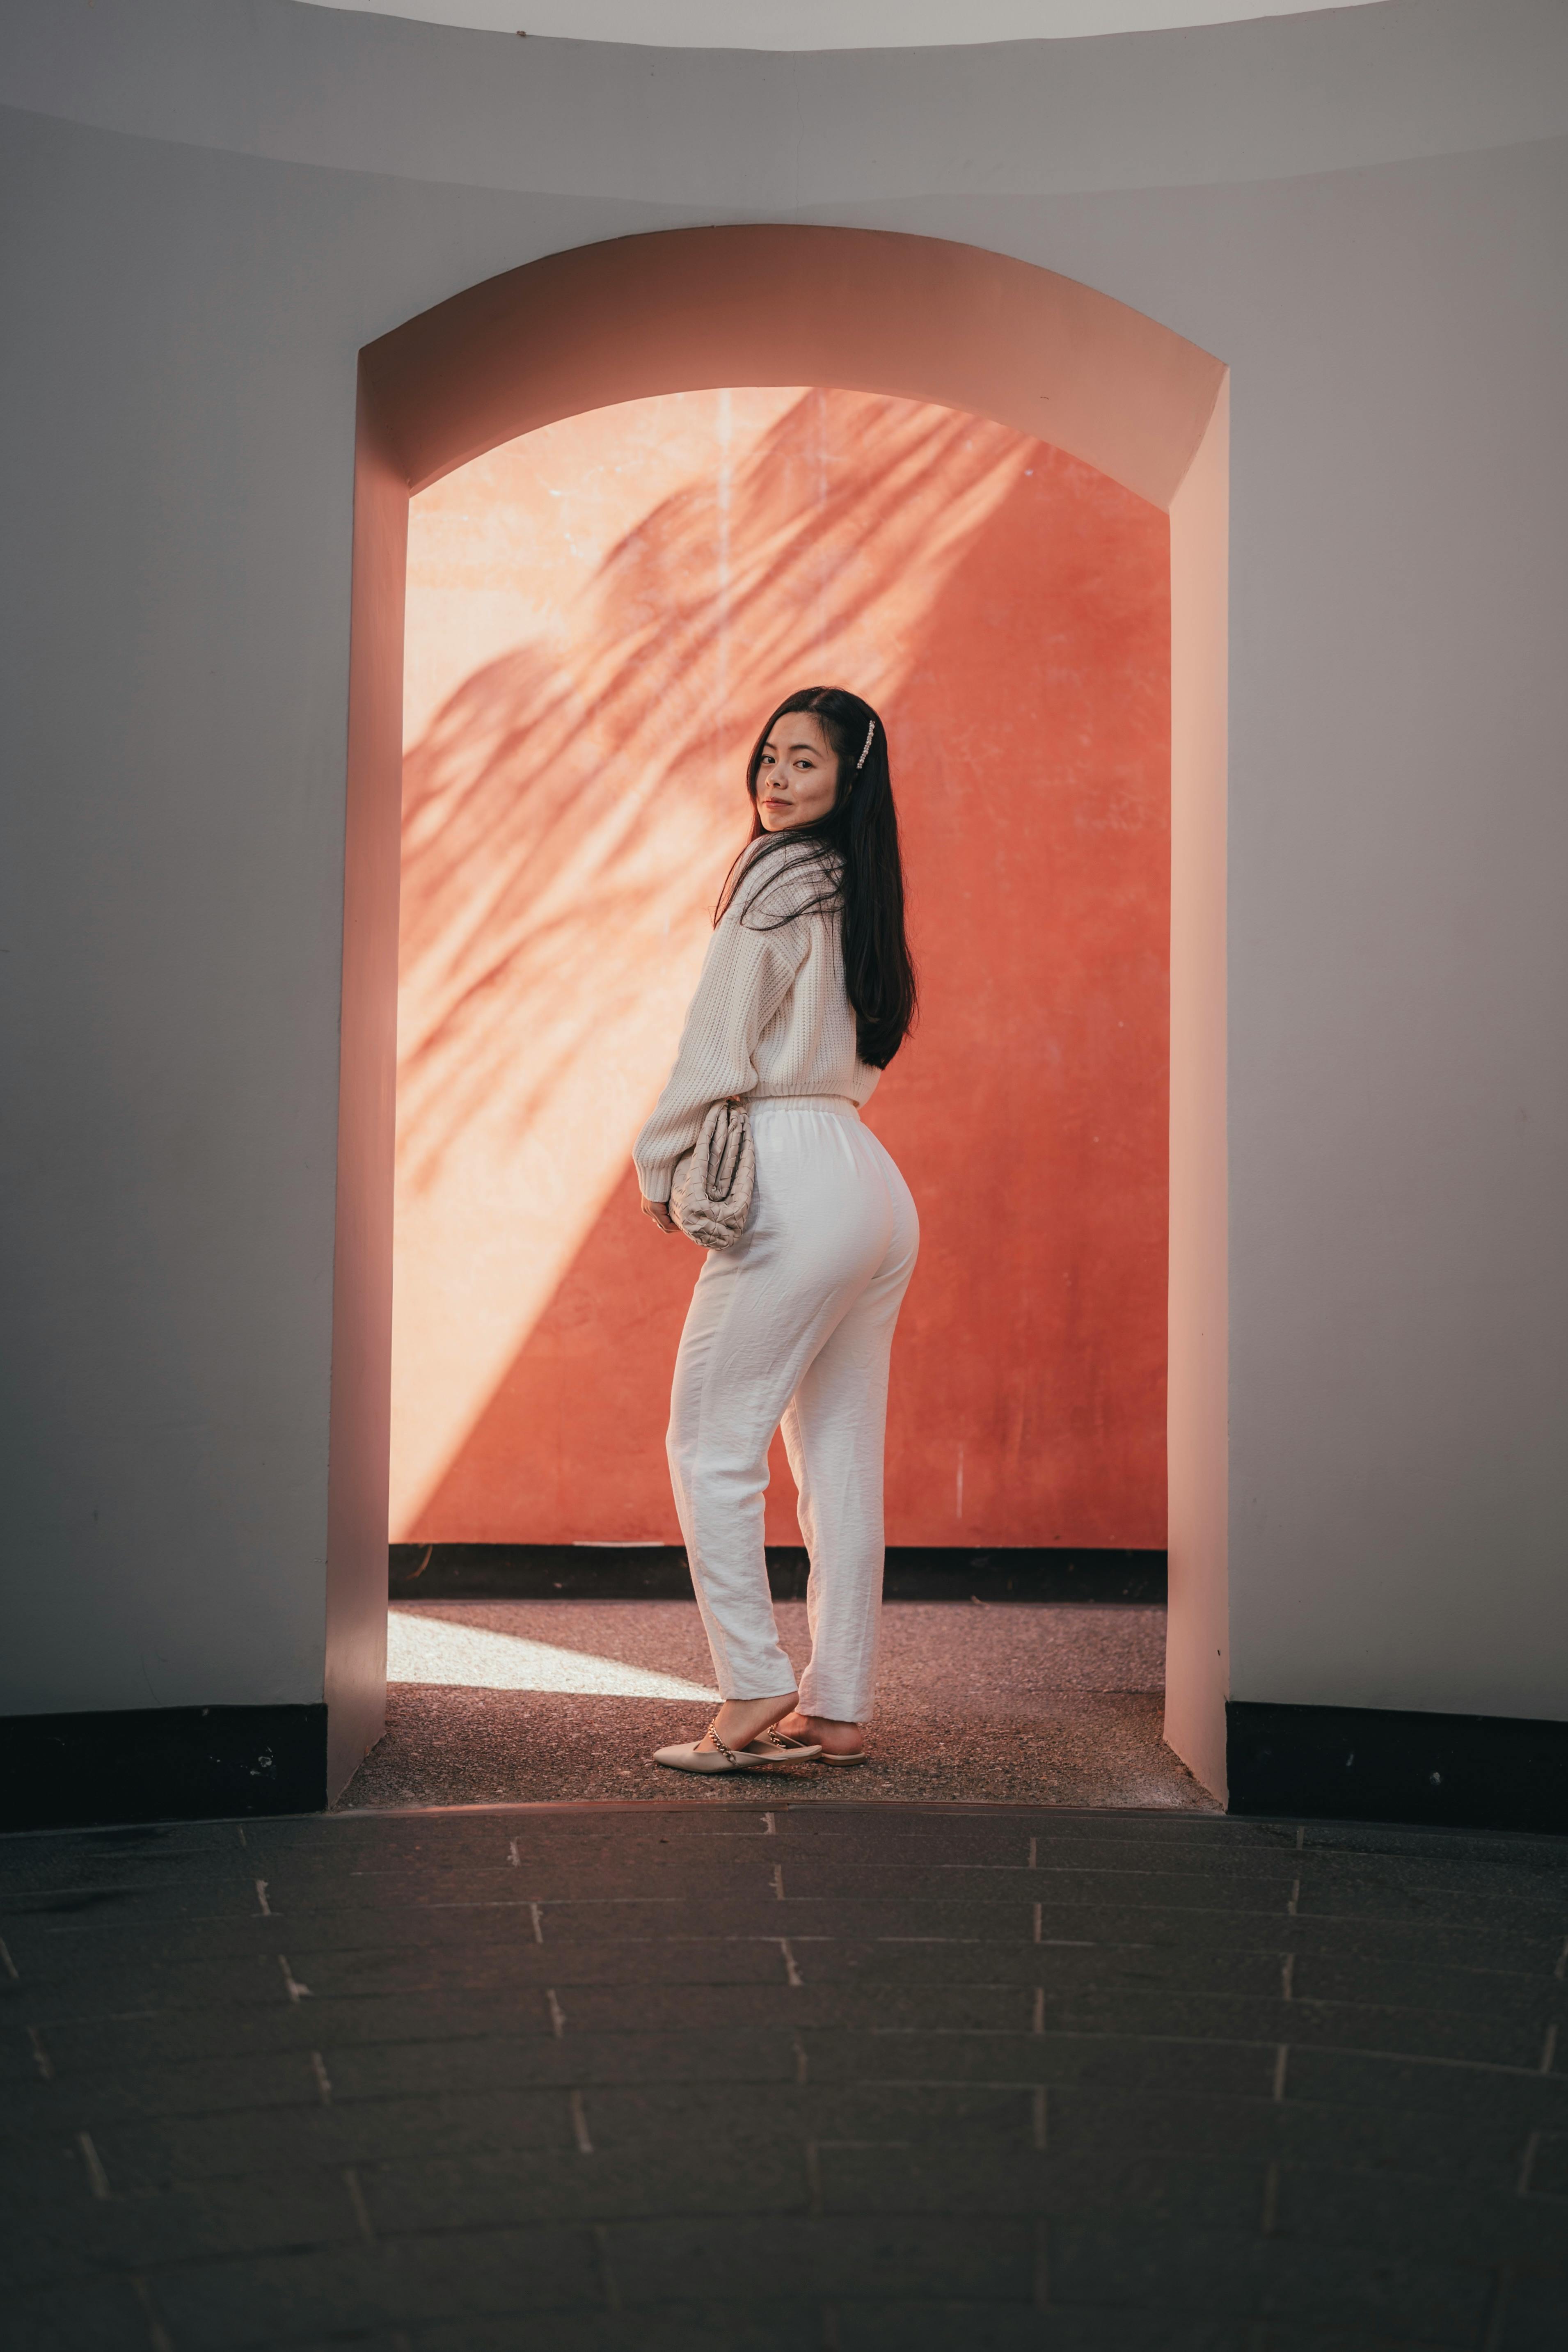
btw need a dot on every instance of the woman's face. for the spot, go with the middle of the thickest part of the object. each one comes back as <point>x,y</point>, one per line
<point>798,779</point>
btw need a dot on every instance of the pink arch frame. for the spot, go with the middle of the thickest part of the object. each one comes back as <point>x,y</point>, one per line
<point>689,308</point>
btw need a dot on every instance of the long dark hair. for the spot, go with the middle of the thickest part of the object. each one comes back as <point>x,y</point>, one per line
<point>855,851</point>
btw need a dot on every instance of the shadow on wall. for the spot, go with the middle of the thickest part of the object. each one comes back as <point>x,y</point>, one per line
<point>569,812</point>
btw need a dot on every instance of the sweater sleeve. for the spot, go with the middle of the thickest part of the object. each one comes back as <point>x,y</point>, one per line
<point>747,975</point>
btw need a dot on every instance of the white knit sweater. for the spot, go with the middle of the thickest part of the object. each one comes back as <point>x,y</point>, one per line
<point>770,1016</point>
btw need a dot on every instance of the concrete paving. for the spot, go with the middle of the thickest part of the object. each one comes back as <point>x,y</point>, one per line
<point>527,1702</point>
<point>782,2076</point>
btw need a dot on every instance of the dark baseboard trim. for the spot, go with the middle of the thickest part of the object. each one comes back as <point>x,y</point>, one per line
<point>167,1763</point>
<point>658,1572</point>
<point>1375,1764</point>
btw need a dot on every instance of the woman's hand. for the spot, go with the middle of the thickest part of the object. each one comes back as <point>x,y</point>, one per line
<point>660,1212</point>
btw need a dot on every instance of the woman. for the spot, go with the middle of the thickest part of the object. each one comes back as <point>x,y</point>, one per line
<point>806,995</point>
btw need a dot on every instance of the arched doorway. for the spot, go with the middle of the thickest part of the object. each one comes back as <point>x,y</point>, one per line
<point>901,316</point>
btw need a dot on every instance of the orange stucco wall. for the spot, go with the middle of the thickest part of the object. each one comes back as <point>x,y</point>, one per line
<point>598,615</point>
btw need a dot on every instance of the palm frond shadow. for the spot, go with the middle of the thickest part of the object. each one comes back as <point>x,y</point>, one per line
<point>573,804</point>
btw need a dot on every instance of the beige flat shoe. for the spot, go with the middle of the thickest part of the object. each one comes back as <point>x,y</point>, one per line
<point>805,1747</point>
<point>775,1746</point>
<point>692,1758</point>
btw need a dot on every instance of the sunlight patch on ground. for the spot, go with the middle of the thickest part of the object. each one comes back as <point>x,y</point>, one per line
<point>433,1650</point>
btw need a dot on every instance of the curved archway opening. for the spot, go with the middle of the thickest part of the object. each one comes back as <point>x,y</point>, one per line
<point>884,315</point>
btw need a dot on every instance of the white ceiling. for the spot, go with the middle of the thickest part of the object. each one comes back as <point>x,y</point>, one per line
<point>826,24</point>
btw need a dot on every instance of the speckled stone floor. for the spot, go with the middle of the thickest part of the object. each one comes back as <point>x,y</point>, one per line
<point>518,1702</point>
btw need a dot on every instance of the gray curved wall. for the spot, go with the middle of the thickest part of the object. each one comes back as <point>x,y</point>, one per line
<point>210,204</point>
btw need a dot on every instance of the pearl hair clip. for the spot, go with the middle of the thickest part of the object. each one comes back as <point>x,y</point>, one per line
<point>865,747</point>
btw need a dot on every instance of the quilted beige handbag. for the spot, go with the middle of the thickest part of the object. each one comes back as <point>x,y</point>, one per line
<point>712,1193</point>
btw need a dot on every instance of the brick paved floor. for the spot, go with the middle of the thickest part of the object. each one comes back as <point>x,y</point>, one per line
<point>864,2078</point>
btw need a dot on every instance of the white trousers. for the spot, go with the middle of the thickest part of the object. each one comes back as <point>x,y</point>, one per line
<point>794,1323</point>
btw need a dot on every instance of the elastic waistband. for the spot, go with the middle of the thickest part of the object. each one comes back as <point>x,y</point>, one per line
<point>840,1106</point>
